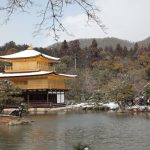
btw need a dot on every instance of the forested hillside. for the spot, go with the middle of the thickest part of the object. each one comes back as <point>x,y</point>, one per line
<point>100,69</point>
<point>103,72</point>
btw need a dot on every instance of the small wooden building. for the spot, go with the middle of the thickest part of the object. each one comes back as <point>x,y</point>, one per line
<point>35,74</point>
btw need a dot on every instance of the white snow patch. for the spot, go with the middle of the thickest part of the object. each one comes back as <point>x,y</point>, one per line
<point>3,75</point>
<point>67,75</point>
<point>24,74</point>
<point>111,105</point>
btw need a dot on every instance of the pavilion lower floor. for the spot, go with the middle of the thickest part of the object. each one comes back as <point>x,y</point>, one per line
<point>44,98</point>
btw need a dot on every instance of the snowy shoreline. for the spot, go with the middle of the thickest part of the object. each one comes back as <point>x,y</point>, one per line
<point>6,119</point>
<point>83,106</point>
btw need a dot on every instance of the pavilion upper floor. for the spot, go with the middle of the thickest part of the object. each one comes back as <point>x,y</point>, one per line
<point>29,60</point>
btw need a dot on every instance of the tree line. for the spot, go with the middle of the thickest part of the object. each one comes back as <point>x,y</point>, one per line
<point>104,74</point>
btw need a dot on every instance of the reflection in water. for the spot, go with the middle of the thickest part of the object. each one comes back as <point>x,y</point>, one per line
<point>11,138</point>
<point>102,131</point>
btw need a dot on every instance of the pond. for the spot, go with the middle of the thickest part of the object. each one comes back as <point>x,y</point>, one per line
<point>101,131</point>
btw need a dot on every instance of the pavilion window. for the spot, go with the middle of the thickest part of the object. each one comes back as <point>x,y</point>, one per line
<point>8,67</point>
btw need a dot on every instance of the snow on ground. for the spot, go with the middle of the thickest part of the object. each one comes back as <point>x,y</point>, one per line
<point>111,105</point>
<point>141,108</point>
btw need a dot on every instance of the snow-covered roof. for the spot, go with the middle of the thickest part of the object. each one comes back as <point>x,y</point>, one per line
<point>6,75</point>
<point>67,75</point>
<point>26,54</point>
<point>37,73</point>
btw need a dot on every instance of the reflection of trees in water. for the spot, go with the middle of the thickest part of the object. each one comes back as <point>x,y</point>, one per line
<point>11,137</point>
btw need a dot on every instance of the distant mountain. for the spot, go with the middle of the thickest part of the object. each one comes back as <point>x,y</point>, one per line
<point>55,45</point>
<point>102,42</point>
<point>144,42</point>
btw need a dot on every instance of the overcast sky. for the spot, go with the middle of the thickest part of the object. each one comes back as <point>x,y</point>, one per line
<point>125,19</point>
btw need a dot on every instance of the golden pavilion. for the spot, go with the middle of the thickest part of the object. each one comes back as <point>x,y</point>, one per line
<point>34,73</point>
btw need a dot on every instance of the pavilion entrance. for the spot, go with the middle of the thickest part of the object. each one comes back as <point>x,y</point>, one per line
<point>43,98</point>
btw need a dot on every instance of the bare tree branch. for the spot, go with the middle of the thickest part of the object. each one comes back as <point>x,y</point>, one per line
<point>51,15</point>
<point>91,12</point>
<point>13,5</point>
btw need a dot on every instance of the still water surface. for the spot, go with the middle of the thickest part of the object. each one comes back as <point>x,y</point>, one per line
<point>102,131</point>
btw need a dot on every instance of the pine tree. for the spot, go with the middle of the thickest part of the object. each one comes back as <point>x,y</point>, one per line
<point>118,50</point>
<point>147,91</point>
<point>76,53</point>
<point>136,50</point>
<point>94,44</point>
<point>125,51</point>
<point>149,47</point>
<point>94,52</point>
<point>64,49</point>
<point>9,94</point>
